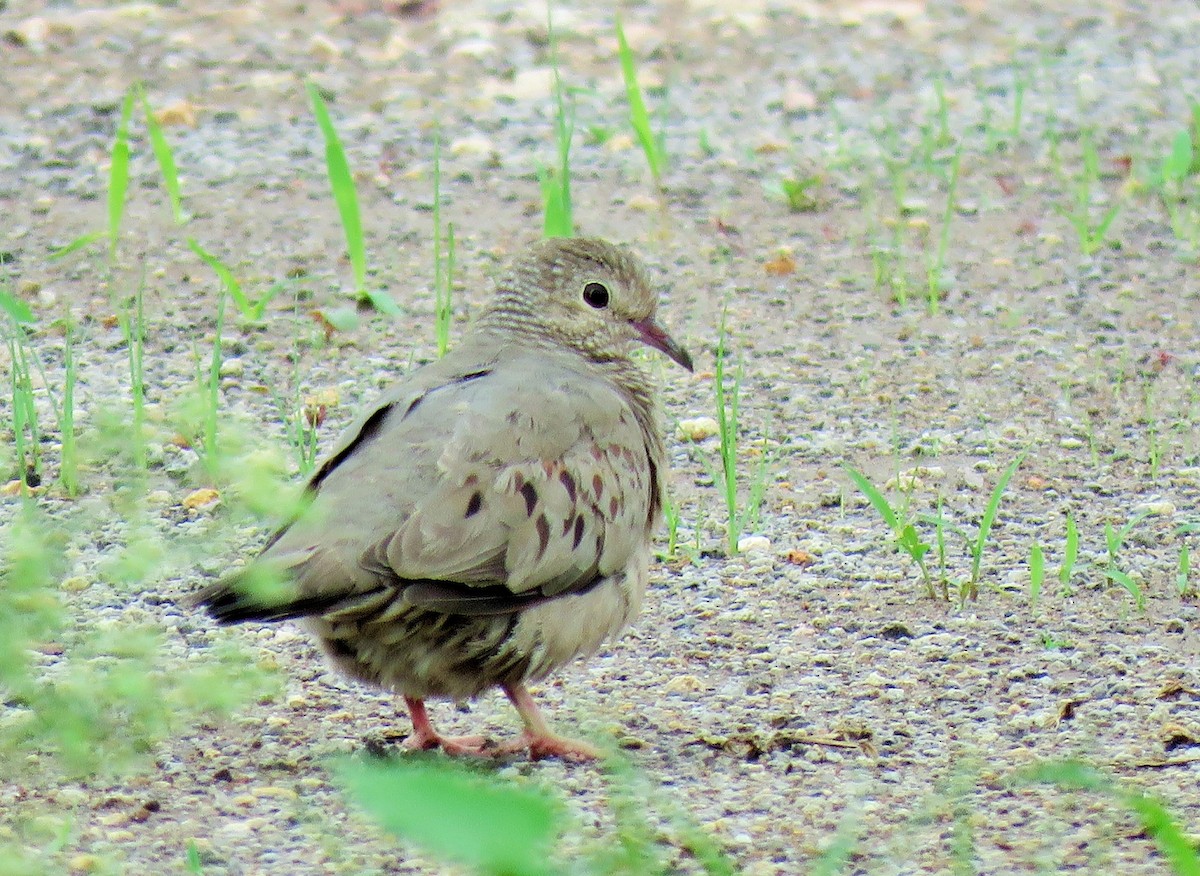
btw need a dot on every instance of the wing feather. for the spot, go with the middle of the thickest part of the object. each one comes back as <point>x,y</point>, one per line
<point>478,490</point>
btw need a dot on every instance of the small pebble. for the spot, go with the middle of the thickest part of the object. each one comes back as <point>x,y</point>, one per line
<point>698,429</point>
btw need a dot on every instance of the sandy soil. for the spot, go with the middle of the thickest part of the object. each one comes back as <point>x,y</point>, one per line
<point>777,697</point>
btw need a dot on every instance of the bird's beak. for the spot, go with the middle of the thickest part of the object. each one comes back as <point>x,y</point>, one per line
<point>654,335</point>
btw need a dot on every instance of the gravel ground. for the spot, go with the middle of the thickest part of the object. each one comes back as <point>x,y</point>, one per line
<point>778,697</point>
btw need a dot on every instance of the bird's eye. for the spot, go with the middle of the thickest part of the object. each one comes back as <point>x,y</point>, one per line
<point>596,295</point>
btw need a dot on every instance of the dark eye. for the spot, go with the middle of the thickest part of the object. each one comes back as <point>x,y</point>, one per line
<point>596,295</point>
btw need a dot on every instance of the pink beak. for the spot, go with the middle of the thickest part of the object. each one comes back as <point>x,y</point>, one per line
<point>654,335</point>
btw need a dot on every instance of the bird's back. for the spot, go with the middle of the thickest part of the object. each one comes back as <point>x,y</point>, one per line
<point>475,492</point>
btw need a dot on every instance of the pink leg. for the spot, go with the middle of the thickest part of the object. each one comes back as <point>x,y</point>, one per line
<point>424,737</point>
<point>538,738</point>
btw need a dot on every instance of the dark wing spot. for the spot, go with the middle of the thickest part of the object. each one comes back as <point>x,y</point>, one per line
<point>598,486</point>
<point>578,532</point>
<point>340,648</point>
<point>475,503</point>
<point>365,433</point>
<point>568,483</point>
<point>464,379</point>
<point>568,523</point>
<point>543,531</point>
<point>613,507</point>
<point>655,489</point>
<point>531,497</point>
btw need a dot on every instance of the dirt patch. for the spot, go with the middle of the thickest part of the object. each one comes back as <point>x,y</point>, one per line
<point>779,696</point>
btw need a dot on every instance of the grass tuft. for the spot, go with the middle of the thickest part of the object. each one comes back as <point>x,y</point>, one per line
<point>118,187</point>
<point>341,182</point>
<point>443,268</point>
<point>907,538</point>
<point>1156,820</point>
<point>639,117</point>
<point>727,388</point>
<point>251,311</point>
<point>557,213</point>
<point>165,158</point>
<point>118,179</point>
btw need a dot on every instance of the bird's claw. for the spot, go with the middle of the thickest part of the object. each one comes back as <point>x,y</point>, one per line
<point>459,746</point>
<point>543,745</point>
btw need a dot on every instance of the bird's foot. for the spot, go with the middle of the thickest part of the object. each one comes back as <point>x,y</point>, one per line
<point>469,746</point>
<point>544,745</point>
<point>424,737</point>
<point>537,738</point>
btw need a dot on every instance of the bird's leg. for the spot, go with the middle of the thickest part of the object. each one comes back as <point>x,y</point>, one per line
<point>538,737</point>
<point>424,737</point>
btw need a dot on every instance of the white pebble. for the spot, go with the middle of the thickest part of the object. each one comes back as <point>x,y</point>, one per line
<point>750,543</point>
<point>1160,508</point>
<point>698,428</point>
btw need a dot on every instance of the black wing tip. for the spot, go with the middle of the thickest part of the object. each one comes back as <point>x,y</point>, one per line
<point>225,604</point>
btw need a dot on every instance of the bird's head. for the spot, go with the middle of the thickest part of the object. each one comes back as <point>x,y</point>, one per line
<point>586,294</point>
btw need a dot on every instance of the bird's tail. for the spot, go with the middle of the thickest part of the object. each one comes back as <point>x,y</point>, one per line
<point>264,592</point>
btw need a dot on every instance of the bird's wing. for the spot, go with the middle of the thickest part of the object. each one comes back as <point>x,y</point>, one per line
<point>503,486</point>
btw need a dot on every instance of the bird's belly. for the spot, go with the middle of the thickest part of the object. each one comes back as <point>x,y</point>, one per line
<point>428,655</point>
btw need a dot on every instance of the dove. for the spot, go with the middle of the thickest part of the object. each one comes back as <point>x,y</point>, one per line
<point>489,518</point>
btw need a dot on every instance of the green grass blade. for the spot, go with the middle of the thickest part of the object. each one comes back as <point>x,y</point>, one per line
<point>213,390</point>
<point>558,216</point>
<point>341,183</point>
<point>1070,553</point>
<point>1037,574</point>
<point>165,158</point>
<point>556,212</point>
<point>837,855</point>
<point>876,498</point>
<point>77,244</point>
<point>68,473</point>
<point>136,334</point>
<point>1130,525</point>
<point>671,517</point>
<point>1166,832</point>
<point>445,314</point>
<point>23,410</point>
<point>1185,570</point>
<point>1157,822</point>
<point>118,175</point>
<point>1178,163</point>
<point>1105,222</point>
<point>443,270</point>
<point>15,307</point>
<point>1139,598</point>
<point>989,515</point>
<point>228,280</point>
<point>1112,541</point>
<point>191,860</point>
<point>1195,105</point>
<point>910,541</point>
<point>492,825</point>
<point>727,427</point>
<point>1071,775</point>
<point>259,307</point>
<point>1091,158</point>
<point>639,117</point>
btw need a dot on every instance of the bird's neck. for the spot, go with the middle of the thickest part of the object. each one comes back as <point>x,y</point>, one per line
<point>501,328</point>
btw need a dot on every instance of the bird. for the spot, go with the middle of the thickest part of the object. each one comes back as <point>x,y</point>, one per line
<point>489,518</point>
